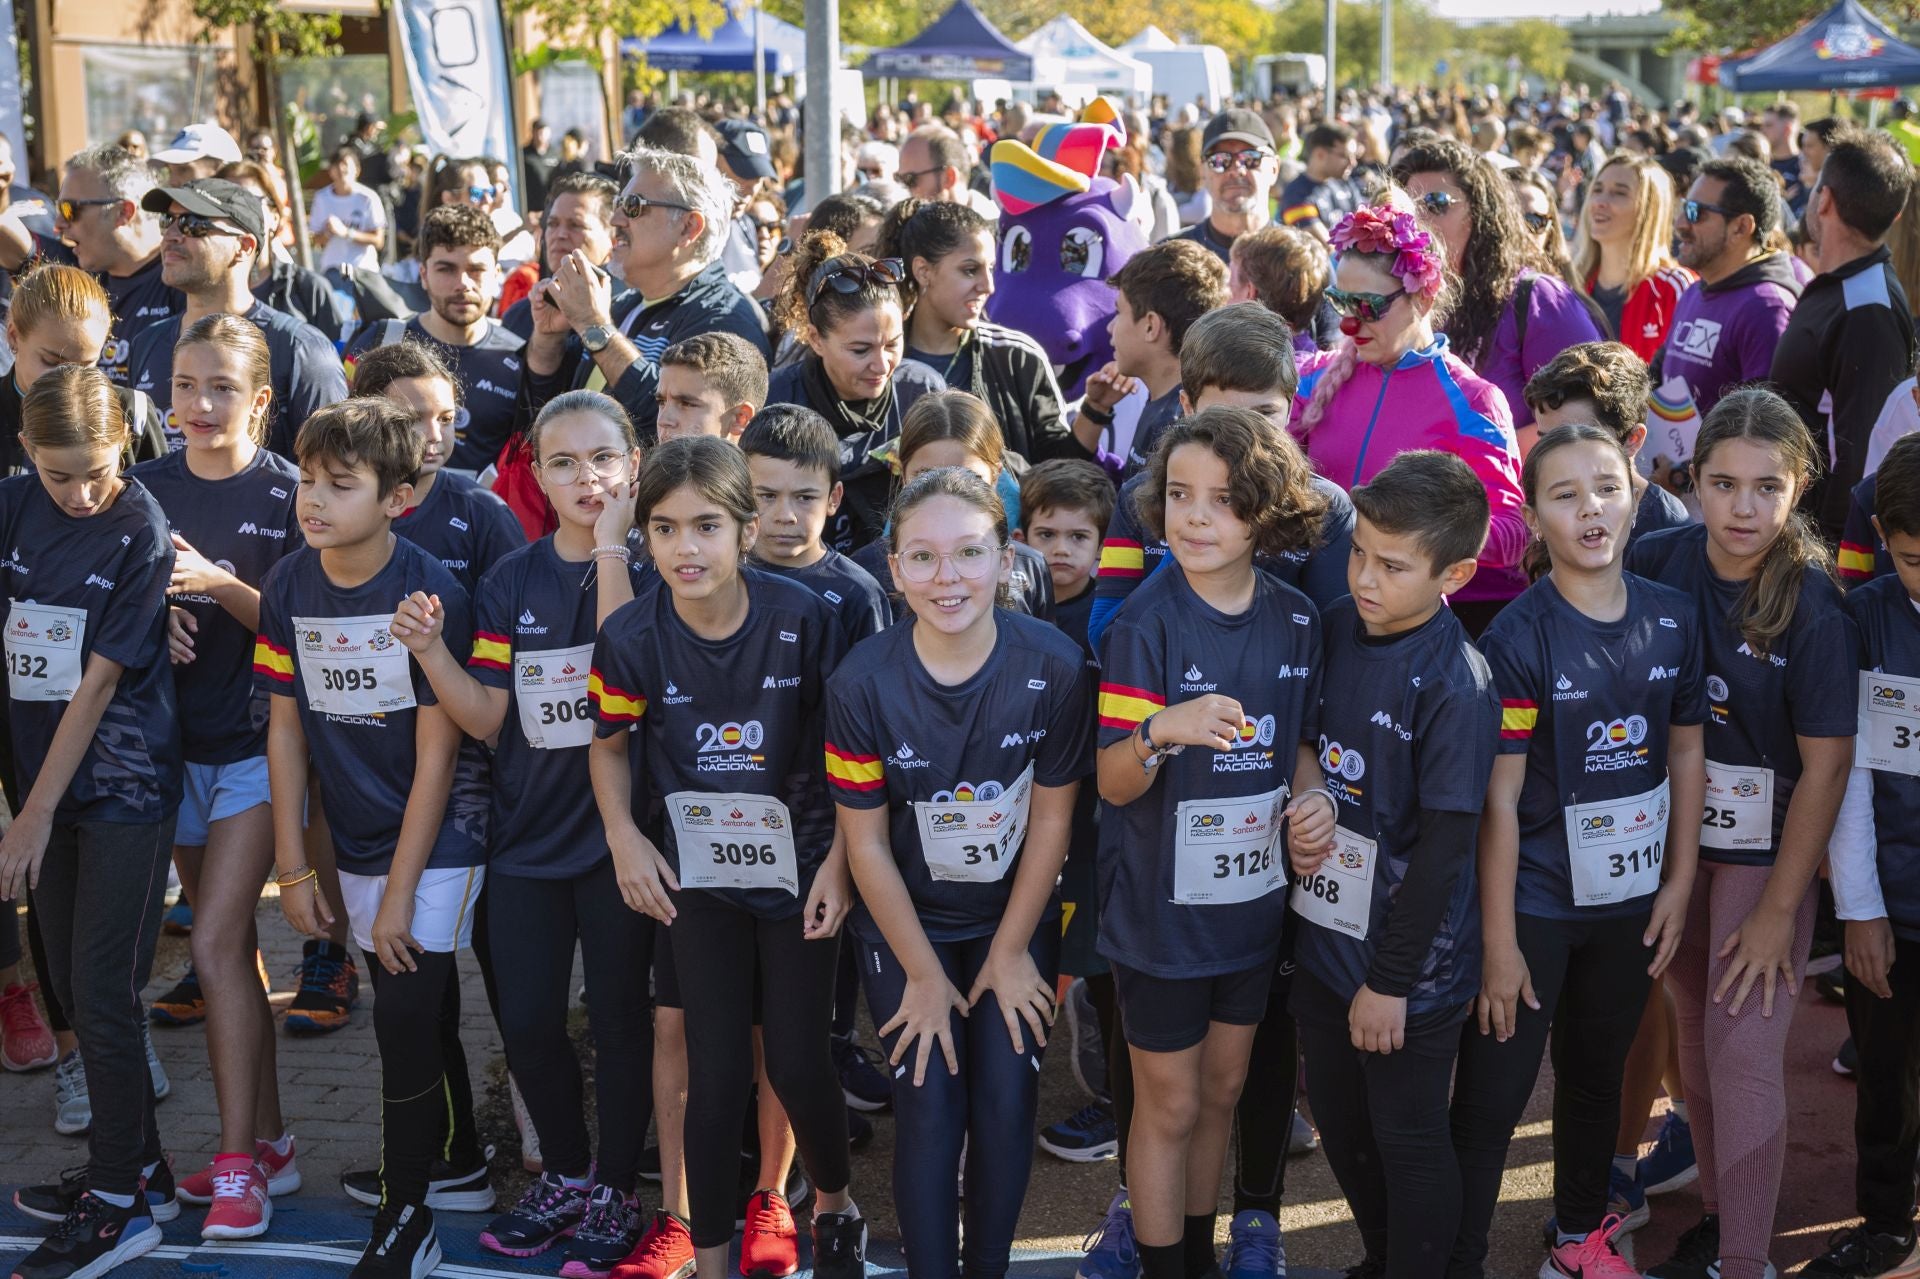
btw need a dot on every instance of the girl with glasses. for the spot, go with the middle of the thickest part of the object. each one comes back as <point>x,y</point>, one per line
<point>1624,246</point>
<point>955,745</point>
<point>1393,384</point>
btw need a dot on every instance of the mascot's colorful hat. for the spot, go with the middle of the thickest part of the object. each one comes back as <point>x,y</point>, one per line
<point>1063,160</point>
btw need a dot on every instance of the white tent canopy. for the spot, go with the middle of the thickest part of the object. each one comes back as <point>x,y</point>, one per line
<point>1085,61</point>
<point>1151,37</point>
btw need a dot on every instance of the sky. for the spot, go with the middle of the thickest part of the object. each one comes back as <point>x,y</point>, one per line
<point>1542,8</point>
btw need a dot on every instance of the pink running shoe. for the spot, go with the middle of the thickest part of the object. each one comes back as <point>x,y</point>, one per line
<point>26,1041</point>
<point>283,1175</point>
<point>241,1207</point>
<point>1589,1258</point>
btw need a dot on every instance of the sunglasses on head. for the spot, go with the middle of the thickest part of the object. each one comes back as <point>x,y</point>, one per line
<point>1438,202</point>
<point>633,204</point>
<point>1368,307</point>
<point>196,226</point>
<point>1537,222</point>
<point>70,209</point>
<point>848,276</point>
<point>1248,161</point>
<point>1692,209</point>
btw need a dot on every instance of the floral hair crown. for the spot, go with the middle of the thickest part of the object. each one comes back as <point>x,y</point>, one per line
<point>1417,260</point>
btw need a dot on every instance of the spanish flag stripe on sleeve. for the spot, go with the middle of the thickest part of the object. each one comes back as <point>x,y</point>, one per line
<point>1122,706</point>
<point>1517,718</point>
<point>272,661</point>
<point>613,703</point>
<point>850,771</point>
<point>491,651</point>
<point>1299,213</point>
<point>1855,562</point>
<point>1120,557</point>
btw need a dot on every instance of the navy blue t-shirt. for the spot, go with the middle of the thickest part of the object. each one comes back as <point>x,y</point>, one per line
<point>1407,726</point>
<point>365,757</point>
<point>80,587</point>
<point>1155,417</point>
<point>489,373</point>
<point>1890,645</point>
<point>1166,647</point>
<point>1806,685</point>
<point>1590,704</point>
<point>741,715</point>
<point>536,612</point>
<point>1656,510</point>
<point>467,528</point>
<point>1863,555</point>
<point>245,524</point>
<point>896,737</point>
<point>859,602</point>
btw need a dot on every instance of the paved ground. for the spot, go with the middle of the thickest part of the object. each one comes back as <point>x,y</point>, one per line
<point>331,1091</point>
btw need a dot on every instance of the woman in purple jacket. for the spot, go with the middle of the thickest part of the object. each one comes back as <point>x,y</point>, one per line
<point>1515,311</point>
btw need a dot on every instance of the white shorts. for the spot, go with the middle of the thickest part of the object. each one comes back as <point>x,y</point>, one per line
<point>214,792</point>
<point>442,906</point>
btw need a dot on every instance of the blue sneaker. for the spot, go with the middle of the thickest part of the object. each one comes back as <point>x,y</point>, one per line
<point>1090,1135</point>
<point>1111,1253</point>
<point>178,920</point>
<point>1627,1200</point>
<point>1671,1164</point>
<point>1255,1249</point>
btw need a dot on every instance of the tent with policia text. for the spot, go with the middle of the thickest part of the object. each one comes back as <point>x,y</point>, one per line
<point>1084,60</point>
<point>1844,48</point>
<point>960,45</point>
<point>728,48</point>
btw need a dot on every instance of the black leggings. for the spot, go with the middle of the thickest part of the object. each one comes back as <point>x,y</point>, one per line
<point>1384,1121</point>
<point>99,900</point>
<point>718,949</point>
<point>423,1074</point>
<point>1591,980</point>
<point>533,961</point>
<point>987,1110</point>
<point>1886,1117</point>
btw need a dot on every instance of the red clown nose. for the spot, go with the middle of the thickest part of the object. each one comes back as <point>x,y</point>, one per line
<point>1350,325</point>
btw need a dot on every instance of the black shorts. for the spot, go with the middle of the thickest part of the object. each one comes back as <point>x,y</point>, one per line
<point>1171,1014</point>
<point>666,978</point>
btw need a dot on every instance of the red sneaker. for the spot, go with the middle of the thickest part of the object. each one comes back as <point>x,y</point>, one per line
<point>664,1252</point>
<point>770,1248</point>
<point>283,1175</point>
<point>26,1041</point>
<point>241,1208</point>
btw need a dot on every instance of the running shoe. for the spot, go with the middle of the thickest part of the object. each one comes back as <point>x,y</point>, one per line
<point>329,988</point>
<point>466,1187</point>
<point>1111,1253</point>
<point>1303,1140</point>
<point>158,1073</point>
<point>91,1240</point>
<point>839,1246</point>
<point>1846,1061</point>
<point>184,1005</point>
<point>242,1208</point>
<point>530,1159</point>
<point>1832,987</point>
<point>283,1174</point>
<point>1592,1257</point>
<point>605,1235</point>
<point>770,1248</point>
<point>798,1192</point>
<point>664,1252</point>
<point>1713,1271</point>
<point>178,921</point>
<point>861,1080</point>
<point>1255,1247</point>
<point>53,1201</point>
<point>1696,1253</point>
<point>1627,1199</point>
<point>1089,1059</point>
<point>72,1107</point>
<point>1088,1136</point>
<point>26,1041</point>
<point>548,1211</point>
<point>1859,1253</point>
<point>1670,1165</point>
<point>403,1245</point>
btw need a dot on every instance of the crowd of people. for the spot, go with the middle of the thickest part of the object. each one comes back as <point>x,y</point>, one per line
<point>681,571</point>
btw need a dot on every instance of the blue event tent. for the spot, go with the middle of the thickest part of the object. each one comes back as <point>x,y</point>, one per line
<point>960,45</point>
<point>729,48</point>
<point>1844,48</point>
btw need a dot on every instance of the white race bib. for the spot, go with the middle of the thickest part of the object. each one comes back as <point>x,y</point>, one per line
<point>1739,816</point>
<point>974,841</point>
<point>44,652</point>
<point>733,841</point>
<point>1889,724</point>
<point>1340,894</point>
<point>353,665</point>
<point>1228,850</point>
<point>1615,847</point>
<point>550,687</point>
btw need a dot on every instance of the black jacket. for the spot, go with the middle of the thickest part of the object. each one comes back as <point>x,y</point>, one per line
<point>1010,371</point>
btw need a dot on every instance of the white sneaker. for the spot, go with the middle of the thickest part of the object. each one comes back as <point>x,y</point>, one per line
<point>72,1107</point>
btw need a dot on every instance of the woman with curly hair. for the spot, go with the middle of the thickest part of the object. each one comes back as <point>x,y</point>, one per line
<point>1515,313</point>
<point>1393,385</point>
<point>1625,259</point>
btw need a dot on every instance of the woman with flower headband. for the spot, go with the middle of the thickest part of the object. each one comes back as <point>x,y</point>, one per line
<point>1393,385</point>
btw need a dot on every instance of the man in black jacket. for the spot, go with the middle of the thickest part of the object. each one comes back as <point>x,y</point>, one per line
<point>1851,339</point>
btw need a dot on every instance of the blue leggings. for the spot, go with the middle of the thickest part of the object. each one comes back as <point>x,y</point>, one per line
<point>988,1108</point>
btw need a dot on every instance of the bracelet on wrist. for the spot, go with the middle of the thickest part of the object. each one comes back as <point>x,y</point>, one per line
<point>1099,417</point>
<point>612,553</point>
<point>293,879</point>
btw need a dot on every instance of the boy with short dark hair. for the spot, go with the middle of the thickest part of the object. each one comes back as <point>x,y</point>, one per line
<point>1162,291</point>
<point>411,843</point>
<point>1606,384</point>
<point>710,384</point>
<point>1065,507</point>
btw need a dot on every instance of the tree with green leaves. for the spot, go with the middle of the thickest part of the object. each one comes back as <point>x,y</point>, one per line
<point>1740,26</point>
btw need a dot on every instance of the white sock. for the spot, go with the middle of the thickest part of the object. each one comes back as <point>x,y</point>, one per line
<point>1680,1109</point>
<point>577,1183</point>
<point>150,1169</point>
<point>1626,1165</point>
<point>851,1212</point>
<point>284,1144</point>
<point>118,1201</point>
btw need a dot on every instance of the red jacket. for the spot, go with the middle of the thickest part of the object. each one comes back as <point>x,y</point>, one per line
<point>1649,308</point>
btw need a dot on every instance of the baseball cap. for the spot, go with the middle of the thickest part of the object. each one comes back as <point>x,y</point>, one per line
<point>213,198</point>
<point>205,141</point>
<point>1237,124</point>
<point>743,145</point>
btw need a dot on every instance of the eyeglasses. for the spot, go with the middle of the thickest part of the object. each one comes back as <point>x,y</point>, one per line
<point>563,471</point>
<point>907,177</point>
<point>633,204</point>
<point>482,195</point>
<point>972,561</point>
<point>1537,222</point>
<point>1364,306</point>
<point>1438,202</point>
<point>1248,161</point>
<point>196,226</point>
<point>845,275</point>
<point>70,209</point>
<point>1692,209</point>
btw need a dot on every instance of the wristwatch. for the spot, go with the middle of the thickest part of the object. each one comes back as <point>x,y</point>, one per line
<point>1154,753</point>
<point>595,338</point>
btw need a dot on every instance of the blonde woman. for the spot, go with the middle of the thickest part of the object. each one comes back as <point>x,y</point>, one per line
<point>1622,252</point>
